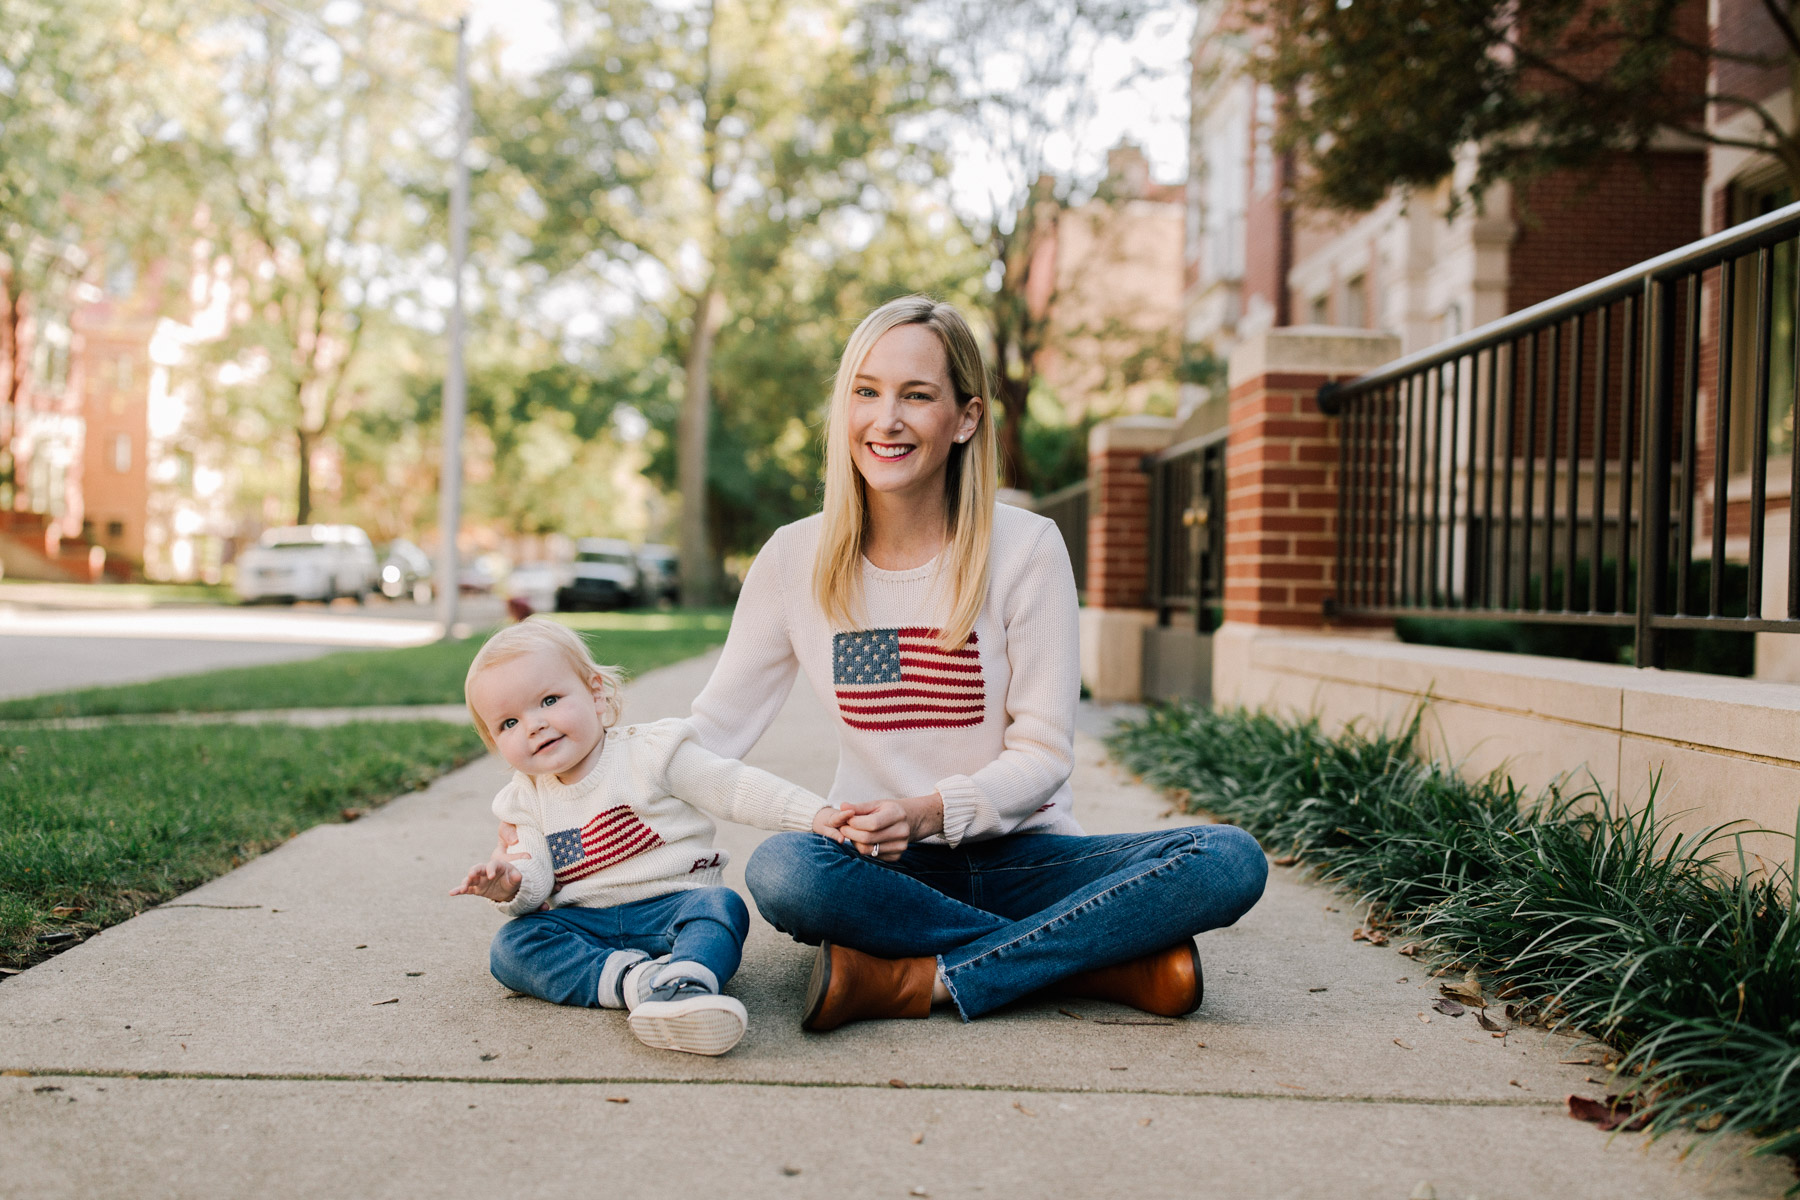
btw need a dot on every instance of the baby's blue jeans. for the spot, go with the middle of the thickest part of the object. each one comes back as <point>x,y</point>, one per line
<point>558,955</point>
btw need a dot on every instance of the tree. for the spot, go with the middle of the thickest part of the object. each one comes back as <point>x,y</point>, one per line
<point>1387,94</point>
<point>1022,102</point>
<point>694,160</point>
<point>320,192</point>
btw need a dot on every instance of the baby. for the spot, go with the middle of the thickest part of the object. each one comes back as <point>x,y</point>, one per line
<point>614,888</point>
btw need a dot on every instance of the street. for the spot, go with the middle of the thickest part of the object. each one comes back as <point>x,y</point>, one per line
<point>51,639</point>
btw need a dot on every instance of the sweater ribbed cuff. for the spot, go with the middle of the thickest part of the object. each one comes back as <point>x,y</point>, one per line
<point>798,811</point>
<point>960,796</point>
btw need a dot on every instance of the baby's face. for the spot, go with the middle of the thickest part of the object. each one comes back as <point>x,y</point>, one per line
<point>545,718</point>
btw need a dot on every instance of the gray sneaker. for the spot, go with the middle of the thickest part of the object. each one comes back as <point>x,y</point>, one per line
<point>684,1014</point>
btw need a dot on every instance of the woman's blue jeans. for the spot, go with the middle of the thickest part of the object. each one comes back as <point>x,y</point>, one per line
<point>558,955</point>
<point>1010,915</point>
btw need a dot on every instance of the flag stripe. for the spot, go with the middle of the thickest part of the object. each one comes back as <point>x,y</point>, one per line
<point>890,726</point>
<point>934,664</point>
<point>874,710</point>
<point>609,838</point>
<point>946,693</point>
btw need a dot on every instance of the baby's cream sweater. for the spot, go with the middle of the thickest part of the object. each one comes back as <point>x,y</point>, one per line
<point>632,828</point>
<point>989,726</point>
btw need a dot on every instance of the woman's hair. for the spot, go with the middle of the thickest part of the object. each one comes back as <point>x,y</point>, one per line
<point>541,633</point>
<point>971,480</point>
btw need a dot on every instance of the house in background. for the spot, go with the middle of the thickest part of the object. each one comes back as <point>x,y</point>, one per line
<point>1107,276</point>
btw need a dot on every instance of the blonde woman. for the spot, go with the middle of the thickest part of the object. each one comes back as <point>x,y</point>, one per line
<point>940,628</point>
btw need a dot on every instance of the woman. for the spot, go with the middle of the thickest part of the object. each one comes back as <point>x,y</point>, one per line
<point>941,628</point>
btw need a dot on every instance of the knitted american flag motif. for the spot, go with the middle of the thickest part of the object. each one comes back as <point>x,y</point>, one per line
<point>892,679</point>
<point>610,837</point>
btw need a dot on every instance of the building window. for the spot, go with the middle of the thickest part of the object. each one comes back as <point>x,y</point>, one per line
<point>1754,202</point>
<point>1355,308</point>
<point>1319,311</point>
<point>1262,171</point>
<point>122,452</point>
<point>115,531</point>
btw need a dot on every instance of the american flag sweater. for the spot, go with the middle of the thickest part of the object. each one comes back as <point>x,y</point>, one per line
<point>634,828</point>
<point>989,725</point>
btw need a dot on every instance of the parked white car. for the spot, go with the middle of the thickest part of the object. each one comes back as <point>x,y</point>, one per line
<point>308,562</point>
<point>605,575</point>
<point>537,584</point>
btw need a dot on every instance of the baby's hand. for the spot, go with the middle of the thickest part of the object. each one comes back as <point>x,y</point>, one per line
<point>828,822</point>
<point>498,881</point>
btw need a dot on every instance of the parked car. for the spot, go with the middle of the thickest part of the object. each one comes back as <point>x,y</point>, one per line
<point>406,571</point>
<point>605,575</point>
<point>661,573</point>
<point>479,575</point>
<point>308,562</point>
<point>537,584</point>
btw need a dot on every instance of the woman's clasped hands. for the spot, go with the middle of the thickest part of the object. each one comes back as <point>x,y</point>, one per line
<point>882,828</point>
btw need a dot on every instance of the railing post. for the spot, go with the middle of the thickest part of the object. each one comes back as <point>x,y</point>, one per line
<point>1659,384</point>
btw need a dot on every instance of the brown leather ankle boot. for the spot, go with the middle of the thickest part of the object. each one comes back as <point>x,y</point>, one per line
<point>848,985</point>
<point>1167,982</point>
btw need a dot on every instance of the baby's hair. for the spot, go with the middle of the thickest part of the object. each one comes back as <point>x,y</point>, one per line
<point>541,633</point>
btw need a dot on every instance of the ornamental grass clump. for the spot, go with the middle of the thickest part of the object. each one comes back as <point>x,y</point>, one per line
<point>1678,950</point>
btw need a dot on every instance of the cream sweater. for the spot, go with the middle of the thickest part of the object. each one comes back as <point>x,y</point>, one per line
<point>631,829</point>
<point>990,726</point>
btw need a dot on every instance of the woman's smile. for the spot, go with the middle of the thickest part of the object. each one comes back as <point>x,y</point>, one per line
<point>891,451</point>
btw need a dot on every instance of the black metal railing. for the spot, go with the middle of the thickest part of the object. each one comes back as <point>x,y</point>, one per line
<point>1068,507</point>
<point>1187,530</point>
<point>1595,459</point>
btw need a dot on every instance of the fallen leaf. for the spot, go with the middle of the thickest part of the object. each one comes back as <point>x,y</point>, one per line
<point>1411,950</point>
<point>1401,1044</point>
<point>1130,1021</point>
<point>1202,1045</point>
<point>1372,936</point>
<point>1424,1018</point>
<point>1286,860</point>
<point>1710,1122</point>
<point>364,946</point>
<point>627,1100</point>
<point>489,1057</point>
<point>12,970</point>
<point>1118,1068</point>
<point>918,1139</point>
<point>1615,1112</point>
<point>389,1000</point>
<point>1468,993</point>
<point>1482,1019</point>
<point>1576,1062</point>
<point>350,814</point>
<point>1143,1122</point>
<point>790,1170</point>
<point>1072,1015</point>
<point>1323,989</point>
<point>900,1083</point>
<point>1517,1084</point>
<point>1449,1008</point>
<point>1328,908</point>
<point>414,974</point>
<point>1023,1109</point>
<point>918,1191</point>
<point>63,910</point>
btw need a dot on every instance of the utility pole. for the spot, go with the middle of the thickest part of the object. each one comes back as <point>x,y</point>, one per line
<point>455,383</point>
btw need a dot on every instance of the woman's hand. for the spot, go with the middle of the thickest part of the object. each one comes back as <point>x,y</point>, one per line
<point>884,828</point>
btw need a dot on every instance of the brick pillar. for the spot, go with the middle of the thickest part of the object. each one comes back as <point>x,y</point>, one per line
<point>1281,467</point>
<point>1118,565</point>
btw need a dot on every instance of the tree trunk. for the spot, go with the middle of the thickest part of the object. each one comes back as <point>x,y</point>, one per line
<point>303,505</point>
<point>15,386</point>
<point>1015,467</point>
<point>699,581</point>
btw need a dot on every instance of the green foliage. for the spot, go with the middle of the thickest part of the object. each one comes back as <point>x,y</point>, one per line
<point>430,674</point>
<point>1675,948</point>
<point>108,822</point>
<point>1386,93</point>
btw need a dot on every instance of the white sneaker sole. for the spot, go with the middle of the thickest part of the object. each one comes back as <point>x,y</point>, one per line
<point>698,1025</point>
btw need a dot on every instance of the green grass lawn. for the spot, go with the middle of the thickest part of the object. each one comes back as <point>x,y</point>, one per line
<point>96,825</point>
<point>357,678</point>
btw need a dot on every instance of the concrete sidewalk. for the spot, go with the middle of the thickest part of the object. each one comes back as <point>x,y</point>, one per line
<point>321,1022</point>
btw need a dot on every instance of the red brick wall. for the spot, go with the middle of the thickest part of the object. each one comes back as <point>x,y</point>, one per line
<point>1577,226</point>
<point>1745,27</point>
<point>1281,467</point>
<point>1118,530</point>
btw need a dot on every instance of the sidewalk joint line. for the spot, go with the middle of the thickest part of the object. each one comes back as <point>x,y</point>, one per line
<point>859,1084</point>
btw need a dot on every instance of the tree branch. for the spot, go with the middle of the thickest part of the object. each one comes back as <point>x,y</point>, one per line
<point>1784,24</point>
